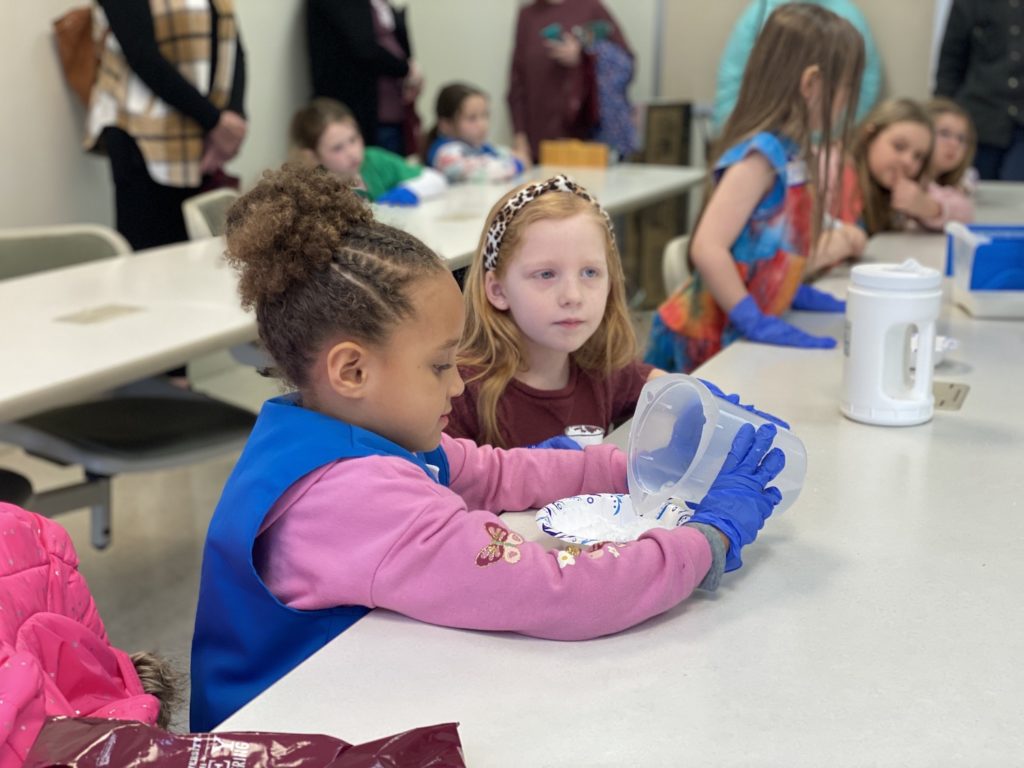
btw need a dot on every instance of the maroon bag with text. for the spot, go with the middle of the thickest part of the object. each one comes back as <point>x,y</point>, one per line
<point>88,742</point>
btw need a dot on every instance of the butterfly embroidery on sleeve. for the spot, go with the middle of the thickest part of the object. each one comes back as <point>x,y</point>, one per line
<point>504,546</point>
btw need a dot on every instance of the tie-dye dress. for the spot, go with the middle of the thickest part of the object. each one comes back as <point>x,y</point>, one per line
<point>770,254</point>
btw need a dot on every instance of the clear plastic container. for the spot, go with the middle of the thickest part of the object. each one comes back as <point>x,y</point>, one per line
<point>660,469</point>
<point>986,263</point>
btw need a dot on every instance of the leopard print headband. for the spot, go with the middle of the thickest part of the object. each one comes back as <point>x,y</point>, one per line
<point>496,232</point>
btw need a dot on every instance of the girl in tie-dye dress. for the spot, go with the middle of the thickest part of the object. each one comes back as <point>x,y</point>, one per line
<point>761,230</point>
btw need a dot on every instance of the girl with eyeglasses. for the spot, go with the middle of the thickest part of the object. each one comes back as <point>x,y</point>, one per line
<point>952,179</point>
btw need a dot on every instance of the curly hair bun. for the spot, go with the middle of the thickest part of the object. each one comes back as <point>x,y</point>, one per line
<point>162,679</point>
<point>288,228</point>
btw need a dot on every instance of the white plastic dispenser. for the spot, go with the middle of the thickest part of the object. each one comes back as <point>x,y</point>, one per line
<point>887,377</point>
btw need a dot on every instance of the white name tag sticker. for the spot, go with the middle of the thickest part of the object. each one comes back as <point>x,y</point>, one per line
<point>949,395</point>
<point>99,314</point>
<point>796,173</point>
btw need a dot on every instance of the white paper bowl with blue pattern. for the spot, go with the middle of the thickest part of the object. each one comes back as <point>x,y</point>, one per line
<point>598,517</point>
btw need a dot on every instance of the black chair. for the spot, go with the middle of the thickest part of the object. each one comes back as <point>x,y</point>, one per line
<point>14,489</point>
<point>146,426</point>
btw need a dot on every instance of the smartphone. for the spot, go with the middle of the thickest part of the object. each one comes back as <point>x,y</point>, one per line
<point>552,32</point>
<point>600,29</point>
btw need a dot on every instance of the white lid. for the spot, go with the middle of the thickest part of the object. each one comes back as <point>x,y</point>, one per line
<point>908,276</point>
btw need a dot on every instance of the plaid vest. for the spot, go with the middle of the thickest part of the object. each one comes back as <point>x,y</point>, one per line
<point>171,143</point>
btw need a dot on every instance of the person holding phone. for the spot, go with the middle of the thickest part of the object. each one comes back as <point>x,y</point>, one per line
<point>552,91</point>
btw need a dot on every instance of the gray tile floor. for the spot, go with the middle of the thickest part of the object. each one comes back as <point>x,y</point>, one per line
<point>146,582</point>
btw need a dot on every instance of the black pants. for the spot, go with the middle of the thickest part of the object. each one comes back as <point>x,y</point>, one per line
<point>148,214</point>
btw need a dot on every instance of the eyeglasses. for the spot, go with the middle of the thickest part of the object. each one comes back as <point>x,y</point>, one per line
<point>946,133</point>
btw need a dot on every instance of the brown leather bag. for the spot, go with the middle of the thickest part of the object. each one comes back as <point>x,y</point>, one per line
<point>79,53</point>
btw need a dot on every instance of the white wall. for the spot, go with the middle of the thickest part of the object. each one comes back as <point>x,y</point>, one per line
<point>47,179</point>
<point>45,176</point>
<point>468,40</point>
<point>941,16</point>
<point>277,70</point>
<point>904,33</point>
<point>471,40</point>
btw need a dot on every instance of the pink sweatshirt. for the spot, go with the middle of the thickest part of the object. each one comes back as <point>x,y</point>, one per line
<point>955,205</point>
<point>376,531</point>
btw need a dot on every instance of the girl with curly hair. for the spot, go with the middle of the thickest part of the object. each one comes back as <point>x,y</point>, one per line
<point>349,496</point>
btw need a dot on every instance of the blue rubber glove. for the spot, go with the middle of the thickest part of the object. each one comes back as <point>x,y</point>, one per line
<point>735,400</point>
<point>812,300</point>
<point>402,196</point>
<point>755,325</point>
<point>737,504</point>
<point>560,442</point>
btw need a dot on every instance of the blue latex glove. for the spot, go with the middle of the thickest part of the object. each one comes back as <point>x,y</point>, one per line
<point>559,442</point>
<point>755,325</point>
<point>737,504</point>
<point>735,400</point>
<point>813,300</point>
<point>398,196</point>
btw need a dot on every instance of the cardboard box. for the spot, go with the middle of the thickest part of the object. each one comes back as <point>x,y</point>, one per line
<point>570,152</point>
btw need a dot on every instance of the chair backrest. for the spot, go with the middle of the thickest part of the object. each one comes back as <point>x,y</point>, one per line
<point>207,213</point>
<point>35,249</point>
<point>674,268</point>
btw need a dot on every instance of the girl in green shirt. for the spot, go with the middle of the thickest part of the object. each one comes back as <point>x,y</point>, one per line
<point>326,134</point>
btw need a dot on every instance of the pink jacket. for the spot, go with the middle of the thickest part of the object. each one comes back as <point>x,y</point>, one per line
<point>376,531</point>
<point>956,205</point>
<point>55,658</point>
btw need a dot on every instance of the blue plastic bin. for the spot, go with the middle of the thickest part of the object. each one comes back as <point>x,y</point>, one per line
<point>986,263</point>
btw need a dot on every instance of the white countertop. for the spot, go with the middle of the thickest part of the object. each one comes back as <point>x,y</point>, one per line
<point>452,224</point>
<point>143,313</point>
<point>876,622</point>
<point>154,310</point>
<point>999,202</point>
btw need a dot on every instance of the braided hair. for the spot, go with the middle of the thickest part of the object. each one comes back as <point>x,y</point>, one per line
<point>316,265</point>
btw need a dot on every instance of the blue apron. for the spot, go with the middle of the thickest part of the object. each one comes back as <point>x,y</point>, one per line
<point>245,639</point>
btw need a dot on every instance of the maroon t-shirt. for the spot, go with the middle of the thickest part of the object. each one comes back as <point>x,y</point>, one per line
<point>527,415</point>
